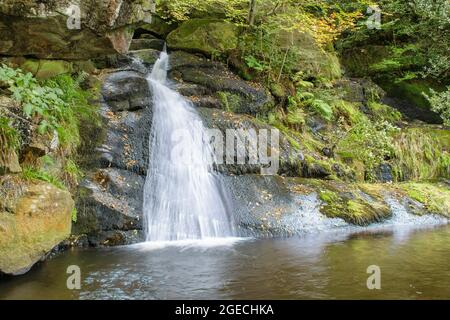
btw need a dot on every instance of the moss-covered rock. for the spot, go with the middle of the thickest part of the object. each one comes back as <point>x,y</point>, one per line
<point>434,196</point>
<point>45,69</point>
<point>148,56</point>
<point>409,98</point>
<point>311,60</point>
<point>34,218</point>
<point>350,203</point>
<point>209,36</point>
<point>152,43</point>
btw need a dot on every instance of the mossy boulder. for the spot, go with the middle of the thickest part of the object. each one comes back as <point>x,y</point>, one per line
<point>435,197</point>
<point>45,69</point>
<point>207,36</point>
<point>352,203</point>
<point>34,218</point>
<point>139,44</point>
<point>311,60</point>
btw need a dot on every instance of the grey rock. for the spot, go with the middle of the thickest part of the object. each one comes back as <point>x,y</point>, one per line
<point>219,81</point>
<point>126,90</point>
<point>139,44</point>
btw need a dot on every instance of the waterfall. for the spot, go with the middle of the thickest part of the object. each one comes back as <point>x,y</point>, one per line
<point>183,197</point>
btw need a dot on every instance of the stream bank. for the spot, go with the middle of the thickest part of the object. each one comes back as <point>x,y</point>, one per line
<point>346,154</point>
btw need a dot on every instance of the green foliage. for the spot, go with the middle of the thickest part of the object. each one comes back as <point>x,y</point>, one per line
<point>78,108</point>
<point>421,154</point>
<point>322,108</point>
<point>307,100</point>
<point>57,104</point>
<point>415,34</point>
<point>382,112</point>
<point>254,63</point>
<point>31,173</point>
<point>181,10</point>
<point>440,103</point>
<point>349,112</point>
<point>74,214</point>
<point>9,137</point>
<point>40,102</point>
<point>435,196</point>
<point>72,173</point>
<point>370,143</point>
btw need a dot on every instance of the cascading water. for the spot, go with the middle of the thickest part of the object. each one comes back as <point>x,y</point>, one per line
<point>183,198</point>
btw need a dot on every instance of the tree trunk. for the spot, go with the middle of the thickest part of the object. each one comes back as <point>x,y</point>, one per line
<point>251,12</point>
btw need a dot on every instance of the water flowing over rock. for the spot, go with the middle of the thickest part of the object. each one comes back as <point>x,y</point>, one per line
<point>38,29</point>
<point>183,199</point>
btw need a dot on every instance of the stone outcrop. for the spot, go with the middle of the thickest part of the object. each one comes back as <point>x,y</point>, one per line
<point>109,199</point>
<point>210,83</point>
<point>34,218</point>
<point>207,36</point>
<point>41,29</point>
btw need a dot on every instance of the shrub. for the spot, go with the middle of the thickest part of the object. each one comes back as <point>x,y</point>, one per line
<point>440,103</point>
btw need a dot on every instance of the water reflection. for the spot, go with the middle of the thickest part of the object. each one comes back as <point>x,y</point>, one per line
<point>414,264</point>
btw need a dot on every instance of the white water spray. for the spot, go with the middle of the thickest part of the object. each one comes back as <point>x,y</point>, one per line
<point>183,198</point>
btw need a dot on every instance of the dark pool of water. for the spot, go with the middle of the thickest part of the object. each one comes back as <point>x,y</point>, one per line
<point>414,264</point>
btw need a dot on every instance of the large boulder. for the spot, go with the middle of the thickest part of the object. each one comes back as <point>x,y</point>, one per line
<point>208,36</point>
<point>40,68</point>
<point>33,220</point>
<point>306,55</point>
<point>40,29</point>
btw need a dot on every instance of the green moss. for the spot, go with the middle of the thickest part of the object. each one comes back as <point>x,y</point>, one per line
<point>382,112</point>
<point>74,214</point>
<point>45,69</point>
<point>148,56</point>
<point>230,101</point>
<point>346,202</point>
<point>349,111</point>
<point>207,36</point>
<point>434,196</point>
<point>328,196</point>
<point>30,173</point>
<point>277,90</point>
<point>318,165</point>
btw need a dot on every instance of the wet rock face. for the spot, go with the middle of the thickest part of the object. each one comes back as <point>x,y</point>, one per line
<point>109,200</point>
<point>212,84</point>
<point>34,222</point>
<point>126,91</point>
<point>40,29</point>
<point>290,160</point>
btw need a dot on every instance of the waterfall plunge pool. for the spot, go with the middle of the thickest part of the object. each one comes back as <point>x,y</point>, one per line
<point>414,264</point>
